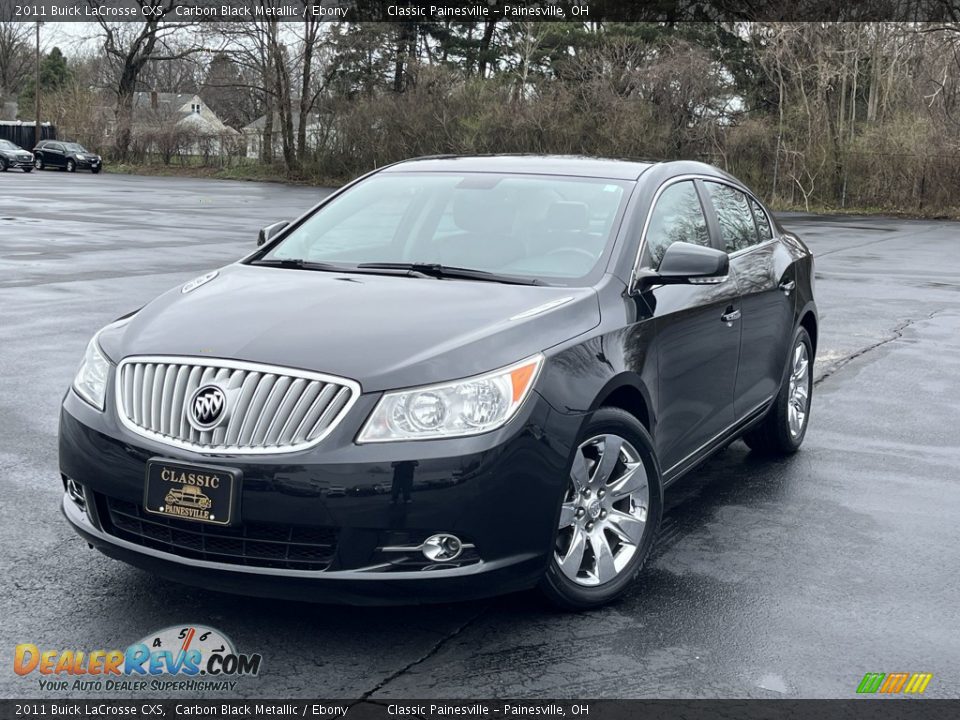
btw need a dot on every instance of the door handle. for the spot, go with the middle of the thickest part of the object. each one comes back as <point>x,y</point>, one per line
<point>729,317</point>
<point>787,286</point>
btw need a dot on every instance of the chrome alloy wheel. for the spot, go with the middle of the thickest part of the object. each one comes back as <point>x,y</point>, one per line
<point>799,391</point>
<point>604,512</point>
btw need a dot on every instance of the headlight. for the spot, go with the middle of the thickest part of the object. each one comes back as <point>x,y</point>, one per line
<point>466,407</point>
<point>91,380</point>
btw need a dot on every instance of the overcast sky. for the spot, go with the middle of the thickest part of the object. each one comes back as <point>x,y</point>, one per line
<point>70,37</point>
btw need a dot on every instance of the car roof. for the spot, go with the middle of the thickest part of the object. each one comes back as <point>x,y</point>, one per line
<point>569,165</point>
<point>562,165</point>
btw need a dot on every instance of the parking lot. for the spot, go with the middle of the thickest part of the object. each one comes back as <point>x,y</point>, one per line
<point>786,578</point>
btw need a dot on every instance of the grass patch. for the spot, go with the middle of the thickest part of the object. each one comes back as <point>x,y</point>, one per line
<point>254,172</point>
<point>950,213</point>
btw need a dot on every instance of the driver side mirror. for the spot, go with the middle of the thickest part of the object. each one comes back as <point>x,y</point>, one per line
<point>269,232</point>
<point>686,264</point>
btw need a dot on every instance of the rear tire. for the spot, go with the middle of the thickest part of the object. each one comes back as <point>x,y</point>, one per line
<point>3,164</point>
<point>38,164</point>
<point>609,515</point>
<point>783,428</point>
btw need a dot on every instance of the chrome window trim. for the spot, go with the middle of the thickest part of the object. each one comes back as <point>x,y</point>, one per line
<point>748,250</point>
<point>352,385</point>
<point>691,177</point>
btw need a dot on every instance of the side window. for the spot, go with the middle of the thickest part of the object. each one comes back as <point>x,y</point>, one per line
<point>763,225</point>
<point>677,217</point>
<point>734,216</point>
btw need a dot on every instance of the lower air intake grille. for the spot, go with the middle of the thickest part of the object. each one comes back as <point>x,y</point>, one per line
<point>291,547</point>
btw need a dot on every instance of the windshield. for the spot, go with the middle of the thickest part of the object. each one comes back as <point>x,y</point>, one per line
<point>7,145</point>
<point>553,228</point>
<point>73,147</point>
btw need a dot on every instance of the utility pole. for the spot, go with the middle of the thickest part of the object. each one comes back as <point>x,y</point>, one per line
<point>36,92</point>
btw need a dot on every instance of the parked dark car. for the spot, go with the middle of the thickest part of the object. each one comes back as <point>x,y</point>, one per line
<point>527,351</point>
<point>65,156</point>
<point>14,156</point>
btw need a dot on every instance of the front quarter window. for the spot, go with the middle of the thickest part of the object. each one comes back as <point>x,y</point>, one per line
<point>734,216</point>
<point>676,217</point>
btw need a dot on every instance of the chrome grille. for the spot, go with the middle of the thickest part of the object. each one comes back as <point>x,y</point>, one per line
<point>270,409</point>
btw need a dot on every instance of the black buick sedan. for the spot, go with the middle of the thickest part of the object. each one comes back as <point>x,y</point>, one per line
<point>454,377</point>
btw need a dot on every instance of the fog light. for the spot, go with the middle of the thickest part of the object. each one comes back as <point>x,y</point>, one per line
<point>442,548</point>
<point>75,491</point>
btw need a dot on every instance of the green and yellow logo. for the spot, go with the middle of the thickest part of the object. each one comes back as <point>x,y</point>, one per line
<point>893,683</point>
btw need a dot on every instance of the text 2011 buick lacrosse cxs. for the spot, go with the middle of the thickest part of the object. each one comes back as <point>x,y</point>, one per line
<point>454,377</point>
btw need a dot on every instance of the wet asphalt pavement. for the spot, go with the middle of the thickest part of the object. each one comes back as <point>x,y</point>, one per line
<point>771,579</point>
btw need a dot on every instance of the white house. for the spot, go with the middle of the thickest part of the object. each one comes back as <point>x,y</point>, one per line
<point>253,134</point>
<point>205,132</point>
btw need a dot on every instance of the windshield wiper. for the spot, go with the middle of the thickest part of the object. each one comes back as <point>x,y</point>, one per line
<point>430,270</point>
<point>436,270</point>
<point>301,264</point>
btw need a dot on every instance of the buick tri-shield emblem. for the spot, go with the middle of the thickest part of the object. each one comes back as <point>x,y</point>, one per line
<point>207,408</point>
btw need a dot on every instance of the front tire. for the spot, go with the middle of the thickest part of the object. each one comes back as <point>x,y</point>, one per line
<point>71,166</point>
<point>609,516</point>
<point>3,164</point>
<point>95,171</point>
<point>782,430</point>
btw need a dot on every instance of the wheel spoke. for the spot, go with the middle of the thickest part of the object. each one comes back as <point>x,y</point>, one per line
<point>571,561</point>
<point>606,568</point>
<point>800,372</point>
<point>567,512</point>
<point>801,396</point>
<point>578,473</point>
<point>633,480</point>
<point>627,527</point>
<point>608,459</point>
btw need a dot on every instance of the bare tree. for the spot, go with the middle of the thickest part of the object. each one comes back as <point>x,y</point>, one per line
<point>14,52</point>
<point>130,47</point>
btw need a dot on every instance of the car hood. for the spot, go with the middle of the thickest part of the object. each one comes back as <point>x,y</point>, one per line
<point>382,331</point>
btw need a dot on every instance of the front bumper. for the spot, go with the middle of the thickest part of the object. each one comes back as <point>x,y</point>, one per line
<point>20,162</point>
<point>499,492</point>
